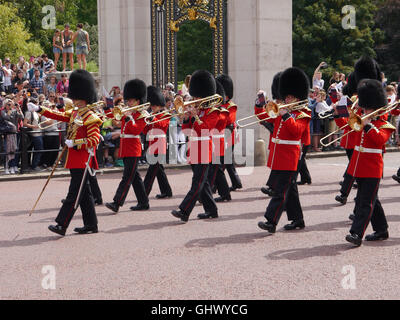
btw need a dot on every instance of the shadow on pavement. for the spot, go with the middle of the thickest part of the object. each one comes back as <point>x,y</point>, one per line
<point>152,226</point>
<point>28,242</point>
<point>304,253</point>
<point>233,239</point>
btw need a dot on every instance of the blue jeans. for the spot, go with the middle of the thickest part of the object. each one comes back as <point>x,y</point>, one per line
<point>37,143</point>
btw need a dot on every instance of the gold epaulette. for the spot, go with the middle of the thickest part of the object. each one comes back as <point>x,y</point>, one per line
<point>302,115</point>
<point>354,98</point>
<point>222,109</point>
<point>92,118</point>
<point>387,125</point>
<point>231,104</point>
<point>307,109</point>
<point>212,110</point>
<point>143,114</point>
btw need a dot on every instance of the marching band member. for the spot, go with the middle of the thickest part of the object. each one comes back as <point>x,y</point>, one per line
<point>305,176</point>
<point>283,159</point>
<point>132,124</point>
<point>82,140</point>
<point>216,175</point>
<point>366,165</point>
<point>157,136</point>
<point>227,83</point>
<point>200,122</point>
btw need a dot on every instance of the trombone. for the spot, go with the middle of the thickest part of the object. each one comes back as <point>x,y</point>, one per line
<point>355,122</point>
<point>121,109</point>
<point>272,109</point>
<point>180,106</point>
<point>40,125</point>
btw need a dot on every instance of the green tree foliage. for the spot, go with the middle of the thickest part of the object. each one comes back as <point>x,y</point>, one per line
<point>318,34</point>
<point>14,38</point>
<point>195,48</point>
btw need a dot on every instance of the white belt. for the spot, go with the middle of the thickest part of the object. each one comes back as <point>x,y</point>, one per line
<point>219,136</point>
<point>290,142</point>
<point>129,136</point>
<point>157,136</point>
<point>199,138</point>
<point>368,150</point>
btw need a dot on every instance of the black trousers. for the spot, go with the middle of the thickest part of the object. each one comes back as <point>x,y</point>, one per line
<point>305,175</point>
<point>50,143</point>
<point>200,189</point>
<point>94,187</point>
<point>230,167</point>
<point>217,178</point>
<point>368,207</point>
<point>131,177</point>
<point>286,196</point>
<point>157,170</point>
<point>348,180</point>
<point>86,202</point>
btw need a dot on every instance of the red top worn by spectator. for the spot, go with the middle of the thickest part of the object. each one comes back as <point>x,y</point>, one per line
<point>367,160</point>
<point>200,144</point>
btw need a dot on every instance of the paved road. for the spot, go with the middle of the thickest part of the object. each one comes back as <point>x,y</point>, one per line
<point>150,255</point>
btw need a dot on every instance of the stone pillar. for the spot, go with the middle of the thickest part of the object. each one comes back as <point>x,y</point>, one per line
<point>124,41</point>
<point>259,45</point>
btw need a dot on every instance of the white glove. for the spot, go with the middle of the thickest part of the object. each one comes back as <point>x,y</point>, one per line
<point>69,143</point>
<point>32,107</point>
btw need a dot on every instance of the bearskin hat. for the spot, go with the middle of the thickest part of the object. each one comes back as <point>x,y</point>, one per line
<point>135,89</point>
<point>82,86</point>
<point>155,96</point>
<point>221,91</point>
<point>227,83</point>
<point>202,84</point>
<point>275,86</point>
<point>366,68</point>
<point>293,81</point>
<point>350,88</point>
<point>371,94</point>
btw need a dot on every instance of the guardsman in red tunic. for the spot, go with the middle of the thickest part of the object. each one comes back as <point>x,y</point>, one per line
<point>227,83</point>
<point>216,175</point>
<point>156,134</point>
<point>198,124</point>
<point>395,113</point>
<point>132,125</point>
<point>82,139</point>
<point>366,165</point>
<point>284,152</point>
<point>365,68</point>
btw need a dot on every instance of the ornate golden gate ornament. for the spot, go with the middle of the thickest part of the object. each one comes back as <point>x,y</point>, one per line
<point>167,16</point>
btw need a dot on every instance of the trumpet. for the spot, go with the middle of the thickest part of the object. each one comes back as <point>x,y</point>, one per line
<point>180,106</point>
<point>325,114</point>
<point>272,109</point>
<point>355,122</point>
<point>121,109</point>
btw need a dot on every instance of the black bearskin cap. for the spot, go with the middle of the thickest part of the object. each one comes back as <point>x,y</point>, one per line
<point>350,88</point>
<point>155,96</point>
<point>135,89</point>
<point>367,68</point>
<point>82,86</point>
<point>221,91</point>
<point>275,86</point>
<point>227,83</point>
<point>294,81</point>
<point>371,94</point>
<point>202,84</point>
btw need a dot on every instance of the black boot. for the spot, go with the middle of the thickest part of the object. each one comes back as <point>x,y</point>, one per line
<point>299,224</point>
<point>395,177</point>
<point>376,236</point>
<point>268,191</point>
<point>181,215</point>
<point>112,206</point>
<point>222,199</point>
<point>163,196</point>
<point>354,239</point>
<point>58,229</point>
<point>140,207</point>
<point>98,202</point>
<point>303,182</point>
<point>207,215</point>
<point>86,229</point>
<point>352,217</point>
<point>271,228</point>
<point>340,198</point>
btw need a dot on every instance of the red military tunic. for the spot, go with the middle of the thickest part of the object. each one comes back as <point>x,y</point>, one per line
<point>232,108</point>
<point>285,145</point>
<point>85,137</point>
<point>200,144</point>
<point>367,160</point>
<point>157,135</point>
<point>306,137</point>
<point>218,134</point>
<point>349,140</point>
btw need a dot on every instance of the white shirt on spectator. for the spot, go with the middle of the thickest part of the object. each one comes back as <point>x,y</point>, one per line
<point>322,107</point>
<point>318,83</point>
<point>7,76</point>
